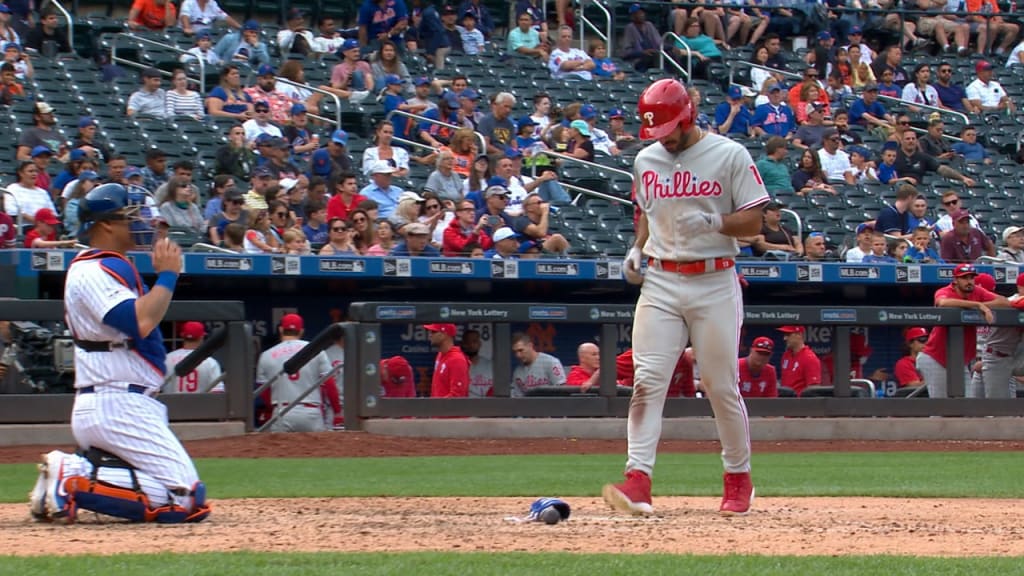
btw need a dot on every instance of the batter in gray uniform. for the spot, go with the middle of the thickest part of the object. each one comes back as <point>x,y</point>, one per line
<point>308,415</point>
<point>997,357</point>
<point>537,368</point>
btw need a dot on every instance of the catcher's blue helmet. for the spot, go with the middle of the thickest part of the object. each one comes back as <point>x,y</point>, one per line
<point>114,201</point>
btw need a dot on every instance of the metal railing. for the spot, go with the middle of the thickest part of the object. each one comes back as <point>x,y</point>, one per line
<point>118,60</point>
<point>19,220</point>
<point>606,36</point>
<point>335,97</point>
<point>70,20</point>
<point>927,106</point>
<point>799,222</point>
<point>480,137</point>
<point>581,189</point>
<point>677,65</point>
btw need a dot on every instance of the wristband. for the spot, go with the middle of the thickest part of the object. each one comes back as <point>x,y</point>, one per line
<point>166,279</point>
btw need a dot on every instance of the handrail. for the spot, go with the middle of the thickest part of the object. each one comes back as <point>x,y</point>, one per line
<point>115,59</point>
<point>662,54</point>
<point>799,222</point>
<point>605,36</point>
<point>207,247</point>
<point>479,136</point>
<point>928,106</point>
<point>587,191</point>
<point>337,99</point>
<point>70,20</point>
<point>18,219</point>
<point>732,70</point>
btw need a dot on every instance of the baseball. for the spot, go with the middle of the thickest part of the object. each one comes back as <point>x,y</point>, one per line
<point>550,516</point>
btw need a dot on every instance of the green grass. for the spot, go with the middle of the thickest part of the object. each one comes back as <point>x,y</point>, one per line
<point>921,474</point>
<point>442,564</point>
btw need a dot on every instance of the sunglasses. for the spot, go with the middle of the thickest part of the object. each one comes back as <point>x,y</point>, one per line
<point>922,339</point>
<point>433,206</point>
<point>812,76</point>
<point>904,123</point>
<point>237,202</point>
<point>339,229</point>
<point>263,109</point>
<point>359,219</point>
<point>281,214</point>
<point>951,202</point>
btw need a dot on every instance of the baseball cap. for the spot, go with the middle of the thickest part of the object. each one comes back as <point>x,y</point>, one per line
<point>86,121</point>
<point>262,171</point>
<point>251,26</point>
<point>77,154</point>
<point>392,79</point>
<point>43,108</point>
<point>233,194</point>
<point>871,87</point>
<point>865,227</point>
<point>763,344</point>
<point>287,184</point>
<point>382,167</point>
<point>861,150</point>
<point>829,133</point>
<point>582,126</point>
<point>132,172</point>
<point>791,329</point>
<point>348,45</point>
<point>321,162</point>
<point>5,9</point>
<point>982,65</point>
<point>773,205</point>
<point>416,229</point>
<point>890,145</point>
<point>192,330</point>
<point>855,30</point>
<point>495,191</point>
<point>291,322</point>
<point>986,281</point>
<point>151,73</point>
<point>513,153</point>
<point>525,121</point>
<point>262,139</point>
<point>421,81</point>
<point>265,70</point>
<point>396,367</point>
<point>470,94</point>
<point>88,175</point>
<point>960,215</point>
<point>298,108</point>
<point>410,195</point>
<point>277,142</point>
<point>588,111</point>
<point>918,332</point>
<point>12,46</point>
<point>203,35</point>
<point>40,150</point>
<point>775,88</point>
<point>616,113</point>
<point>451,99</point>
<point>735,92</point>
<point>824,35</point>
<point>339,136</point>
<point>503,233</point>
<point>815,107</point>
<point>965,269</point>
<point>46,216</point>
<point>448,9</point>
<point>470,14</point>
<point>495,180</point>
<point>1010,230</point>
<point>634,8</point>
<point>446,329</point>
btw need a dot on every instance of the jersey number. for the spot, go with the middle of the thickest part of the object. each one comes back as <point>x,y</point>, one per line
<point>757,175</point>
<point>189,382</point>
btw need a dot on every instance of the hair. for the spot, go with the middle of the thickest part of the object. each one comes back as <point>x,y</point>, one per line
<point>479,181</point>
<point>948,193</point>
<point>907,192</point>
<point>921,230</point>
<point>572,110</point>
<point>234,234</point>
<point>522,337</point>
<point>805,90</point>
<point>367,205</point>
<point>252,217</point>
<point>273,205</point>
<point>364,239</point>
<point>441,155</point>
<point>770,36</point>
<point>389,66</point>
<point>967,128</point>
<point>7,67</point>
<point>459,137</point>
<point>291,70</point>
<point>816,170</point>
<point>339,179</point>
<point>314,206</point>
<point>505,97</point>
<point>220,181</point>
<point>564,27</point>
<point>891,247</point>
<point>184,165</point>
<point>226,70</point>
<point>173,183</point>
<point>380,126</point>
<point>774,143</point>
<point>23,165</point>
<point>840,112</point>
<point>594,45</point>
<point>293,234</point>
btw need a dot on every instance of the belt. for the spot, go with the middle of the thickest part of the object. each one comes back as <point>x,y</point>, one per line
<point>695,267</point>
<point>305,404</point>
<point>133,388</point>
<point>97,346</point>
<point>997,353</point>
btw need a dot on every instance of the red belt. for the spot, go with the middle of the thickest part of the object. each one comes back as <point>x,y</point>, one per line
<point>306,404</point>
<point>997,353</point>
<point>695,267</point>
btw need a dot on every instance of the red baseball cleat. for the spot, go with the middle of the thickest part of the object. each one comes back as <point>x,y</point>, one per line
<point>632,496</point>
<point>738,494</point>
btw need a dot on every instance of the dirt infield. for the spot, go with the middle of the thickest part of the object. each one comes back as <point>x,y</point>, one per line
<point>797,526</point>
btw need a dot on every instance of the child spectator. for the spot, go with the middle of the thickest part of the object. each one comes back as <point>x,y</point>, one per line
<point>393,100</point>
<point>604,67</point>
<point>970,149</point>
<point>473,41</point>
<point>920,250</point>
<point>44,233</point>
<point>860,162</point>
<point>203,50</point>
<point>887,169</point>
<point>9,87</point>
<point>879,251</point>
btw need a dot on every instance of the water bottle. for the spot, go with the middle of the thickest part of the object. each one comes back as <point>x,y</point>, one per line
<point>880,390</point>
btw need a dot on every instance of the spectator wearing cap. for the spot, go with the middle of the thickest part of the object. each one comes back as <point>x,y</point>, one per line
<point>416,243</point>
<point>380,189</point>
<point>452,37</point>
<point>641,44</point>
<point>934,143</point>
<point>776,238</point>
<point>732,116</point>
<point>380,21</point>
<point>228,99</point>
<point>969,149</point>
<point>1013,249</point>
<point>203,50</point>
<point>444,181</point>
<point>534,225</point>
<point>566,62</point>
<point>527,140</point>
<point>757,377</point>
<point>41,157</point>
<point>244,45</point>
<point>152,15</point>
<point>150,100</point>
<point>860,162</point>
<point>295,37</point>
<point>21,62</point>
<point>546,183</point>
<point>77,160</point>
<point>841,120</point>
<point>913,163</point>
<point>420,103</point>
<point>505,245</point>
<point>333,159</point>
<point>800,366</point>
<point>774,118</point>
<point>433,132</point>
<point>811,132</point>
<point>277,104</point>
<point>484,20</point>
<point>7,33</point>
<point>867,111</point>
<point>262,179</point>
<point>834,161</point>
<point>960,293</point>
<point>383,151</point>
<point>260,123</point>
<point>617,129</point>
<point>580,143</point>
<point>395,101</point>
<point>352,75</point>
<point>450,378</point>
<point>495,200</point>
<point>473,41</point>
<point>774,166</point>
<point>410,209</point>
<point>198,16</point>
<point>599,138</point>
<point>524,39</point>
<point>276,155</point>
<point>863,247</point>
<point>965,243</point>
<point>44,233</point>
<point>296,133</point>
<point>231,213</point>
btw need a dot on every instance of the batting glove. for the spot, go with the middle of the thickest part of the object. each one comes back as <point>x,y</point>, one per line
<point>631,266</point>
<point>696,223</point>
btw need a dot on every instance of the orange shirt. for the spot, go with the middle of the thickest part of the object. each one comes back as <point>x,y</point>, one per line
<point>152,16</point>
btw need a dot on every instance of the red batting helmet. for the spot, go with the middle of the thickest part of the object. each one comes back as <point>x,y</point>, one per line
<point>663,106</point>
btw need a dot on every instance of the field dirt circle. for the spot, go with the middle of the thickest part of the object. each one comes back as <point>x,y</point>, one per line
<point>791,526</point>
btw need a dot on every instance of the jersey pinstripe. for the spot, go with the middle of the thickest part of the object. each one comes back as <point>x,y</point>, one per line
<point>195,381</point>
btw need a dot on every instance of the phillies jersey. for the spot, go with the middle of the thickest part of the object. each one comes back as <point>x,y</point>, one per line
<point>195,381</point>
<point>451,375</point>
<point>764,385</point>
<point>681,382</point>
<point>936,345</point>
<point>719,177</point>
<point>289,387</point>
<point>481,378</point>
<point>906,371</point>
<point>546,370</point>
<point>801,369</point>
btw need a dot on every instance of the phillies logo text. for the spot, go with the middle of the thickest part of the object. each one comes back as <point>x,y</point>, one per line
<point>683,184</point>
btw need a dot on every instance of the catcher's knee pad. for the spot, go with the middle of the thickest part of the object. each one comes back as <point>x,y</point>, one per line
<point>104,498</point>
<point>174,514</point>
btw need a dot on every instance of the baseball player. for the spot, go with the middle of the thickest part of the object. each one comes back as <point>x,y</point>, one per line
<point>681,383</point>
<point>396,378</point>
<point>481,370</point>
<point>960,293</point>
<point>536,368</point>
<point>905,370</point>
<point>333,414</point>
<point>801,367</point>
<point>757,375</point>
<point>994,380</point>
<point>696,192</point>
<point>130,465</point>
<point>588,372</point>
<point>289,389</point>
<point>451,369</point>
<point>200,379</point>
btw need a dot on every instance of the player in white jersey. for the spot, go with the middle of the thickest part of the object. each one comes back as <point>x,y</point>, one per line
<point>130,464</point>
<point>333,415</point>
<point>696,193</point>
<point>307,415</point>
<point>200,379</point>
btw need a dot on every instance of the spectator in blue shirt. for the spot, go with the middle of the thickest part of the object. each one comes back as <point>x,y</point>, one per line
<point>952,95</point>
<point>382,20</point>
<point>921,250</point>
<point>243,46</point>
<point>879,251</point>
<point>969,148</point>
<point>774,118</point>
<point>733,116</point>
<point>417,242</point>
<point>484,21</point>
<point>867,111</point>
<point>381,190</point>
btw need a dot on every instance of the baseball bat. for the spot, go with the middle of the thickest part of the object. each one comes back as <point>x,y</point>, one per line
<point>318,345</point>
<point>204,351</point>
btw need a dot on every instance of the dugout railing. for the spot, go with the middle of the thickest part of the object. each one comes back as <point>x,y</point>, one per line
<point>233,337</point>
<point>362,388</point>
